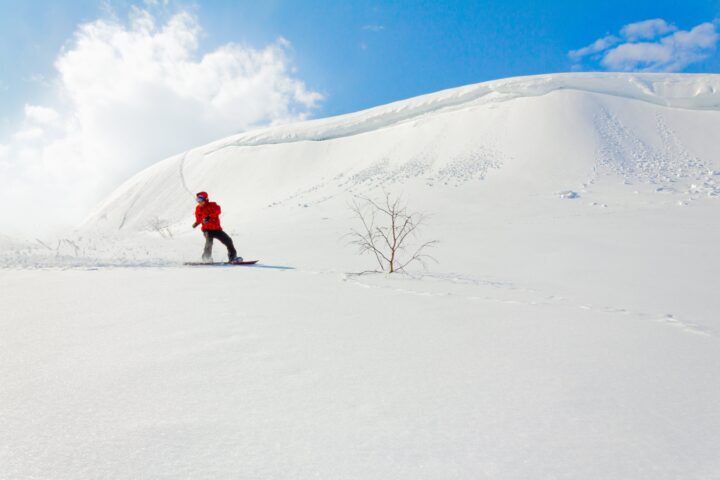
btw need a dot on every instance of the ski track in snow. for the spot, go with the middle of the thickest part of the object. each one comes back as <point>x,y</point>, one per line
<point>513,293</point>
<point>525,296</point>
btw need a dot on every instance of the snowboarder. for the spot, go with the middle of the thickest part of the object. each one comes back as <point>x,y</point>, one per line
<point>207,214</point>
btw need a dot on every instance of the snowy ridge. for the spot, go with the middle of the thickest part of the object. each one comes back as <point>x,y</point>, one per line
<point>679,91</point>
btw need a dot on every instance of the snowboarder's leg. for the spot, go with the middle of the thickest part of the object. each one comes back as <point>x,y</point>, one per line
<point>207,252</point>
<point>227,241</point>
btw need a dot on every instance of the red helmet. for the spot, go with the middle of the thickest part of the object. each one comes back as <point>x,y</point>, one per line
<point>202,195</point>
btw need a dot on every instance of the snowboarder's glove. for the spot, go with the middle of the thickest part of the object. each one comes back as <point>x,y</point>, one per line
<point>206,219</point>
<point>195,224</point>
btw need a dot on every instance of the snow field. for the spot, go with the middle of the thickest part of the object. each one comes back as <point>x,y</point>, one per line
<point>163,373</point>
<point>568,330</point>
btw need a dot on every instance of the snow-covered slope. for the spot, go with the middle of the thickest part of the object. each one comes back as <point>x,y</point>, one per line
<point>567,182</point>
<point>492,164</point>
<point>570,328</point>
<point>532,134</point>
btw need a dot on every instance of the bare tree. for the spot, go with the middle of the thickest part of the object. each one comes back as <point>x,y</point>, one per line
<point>387,229</point>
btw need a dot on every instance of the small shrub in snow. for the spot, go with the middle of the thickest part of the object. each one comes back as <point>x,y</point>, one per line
<point>387,230</point>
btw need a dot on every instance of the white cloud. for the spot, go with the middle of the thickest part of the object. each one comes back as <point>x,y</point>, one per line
<point>647,30</point>
<point>671,50</point>
<point>637,56</point>
<point>40,115</point>
<point>672,53</point>
<point>131,93</point>
<point>598,45</point>
<point>29,134</point>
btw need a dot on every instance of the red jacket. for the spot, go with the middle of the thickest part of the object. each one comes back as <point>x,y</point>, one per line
<point>211,211</point>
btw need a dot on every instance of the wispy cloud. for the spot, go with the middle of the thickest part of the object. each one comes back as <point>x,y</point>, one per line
<point>127,93</point>
<point>373,28</point>
<point>598,45</point>
<point>651,45</point>
<point>647,29</point>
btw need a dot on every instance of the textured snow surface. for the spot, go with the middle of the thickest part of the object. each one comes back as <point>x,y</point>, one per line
<point>262,374</point>
<point>569,330</point>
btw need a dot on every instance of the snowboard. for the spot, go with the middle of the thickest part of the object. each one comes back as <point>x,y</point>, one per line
<point>217,264</point>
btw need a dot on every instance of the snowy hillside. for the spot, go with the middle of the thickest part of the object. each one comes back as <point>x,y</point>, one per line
<point>605,173</point>
<point>569,330</point>
<point>531,135</point>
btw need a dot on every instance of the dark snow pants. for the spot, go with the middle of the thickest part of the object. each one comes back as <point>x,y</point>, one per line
<point>224,238</point>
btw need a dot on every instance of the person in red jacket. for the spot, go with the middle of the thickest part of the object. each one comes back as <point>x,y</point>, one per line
<point>207,214</point>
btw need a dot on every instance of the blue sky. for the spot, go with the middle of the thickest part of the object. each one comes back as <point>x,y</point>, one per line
<point>360,53</point>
